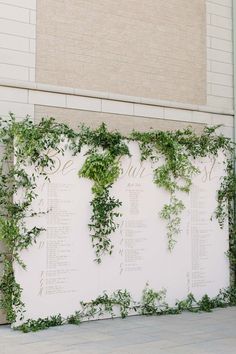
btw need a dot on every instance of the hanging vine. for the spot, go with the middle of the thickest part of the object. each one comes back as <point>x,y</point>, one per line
<point>29,144</point>
<point>103,168</point>
<point>178,150</point>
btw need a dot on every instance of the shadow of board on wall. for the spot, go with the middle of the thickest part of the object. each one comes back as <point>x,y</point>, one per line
<point>2,317</point>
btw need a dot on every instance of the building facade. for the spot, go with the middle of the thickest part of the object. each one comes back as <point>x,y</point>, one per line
<point>129,63</point>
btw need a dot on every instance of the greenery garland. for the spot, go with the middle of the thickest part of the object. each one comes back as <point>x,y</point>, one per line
<point>179,149</point>
<point>29,144</point>
<point>153,303</point>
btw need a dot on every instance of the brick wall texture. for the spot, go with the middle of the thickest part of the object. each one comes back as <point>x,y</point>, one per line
<point>153,48</point>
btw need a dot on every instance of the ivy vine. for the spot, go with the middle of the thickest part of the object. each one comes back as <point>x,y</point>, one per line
<point>29,144</point>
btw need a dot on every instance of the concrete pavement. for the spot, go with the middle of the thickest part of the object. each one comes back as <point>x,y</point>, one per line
<point>204,333</point>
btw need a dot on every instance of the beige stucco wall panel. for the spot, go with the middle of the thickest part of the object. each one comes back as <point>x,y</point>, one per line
<point>125,124</point>
<point>152,49</point>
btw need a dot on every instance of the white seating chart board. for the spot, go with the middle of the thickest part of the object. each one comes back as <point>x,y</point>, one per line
<point>61,270</point>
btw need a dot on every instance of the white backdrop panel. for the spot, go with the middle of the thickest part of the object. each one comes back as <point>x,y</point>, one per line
<point>61,270</point>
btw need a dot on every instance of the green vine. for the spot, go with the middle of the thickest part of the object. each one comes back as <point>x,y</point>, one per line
<point>11,293</point>
<point>172,214</point>
<point>226,210</point>
<point>153,303</point>
<point>29,144</point>
<point>105,304</point>
<point>178,150</point>
<point>42,323</point>
<point>102,167</point>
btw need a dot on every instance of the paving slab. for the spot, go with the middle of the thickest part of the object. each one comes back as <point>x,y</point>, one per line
<point>188,333</point>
